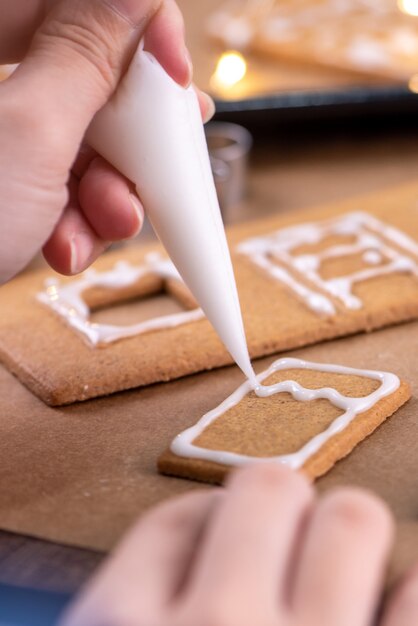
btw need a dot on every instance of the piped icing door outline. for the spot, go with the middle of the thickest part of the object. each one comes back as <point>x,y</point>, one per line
<point>385,250</point>
<point>183,445</point>
<point>68,302</point>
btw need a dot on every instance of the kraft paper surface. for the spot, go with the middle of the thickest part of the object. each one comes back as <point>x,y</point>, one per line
<point>82,474</point>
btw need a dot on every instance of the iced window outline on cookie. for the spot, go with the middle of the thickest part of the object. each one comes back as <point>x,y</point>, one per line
<point>374,239</point>
<point>68,302</point>
<point>183,445</point>
<point>281,24</point>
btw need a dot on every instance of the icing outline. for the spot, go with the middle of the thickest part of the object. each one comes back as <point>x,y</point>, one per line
<point>390,43</point>
<point>68,302</point>
<point>373,237</point>
<point>183,445</point>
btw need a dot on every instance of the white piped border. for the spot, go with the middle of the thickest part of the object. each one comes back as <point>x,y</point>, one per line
<point>183,445</point>
<point>67,300</point>
<point>373,238</point>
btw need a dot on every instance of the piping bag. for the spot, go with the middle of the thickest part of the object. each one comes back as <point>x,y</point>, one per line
<point>151,131</point>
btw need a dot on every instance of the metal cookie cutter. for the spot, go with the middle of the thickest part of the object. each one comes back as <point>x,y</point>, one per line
<point>229,148</point>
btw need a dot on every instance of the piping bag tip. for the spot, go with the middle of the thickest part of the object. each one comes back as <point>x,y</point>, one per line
<point>151,131</point>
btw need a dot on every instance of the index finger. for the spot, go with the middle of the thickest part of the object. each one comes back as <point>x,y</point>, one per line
<point>147,570</point>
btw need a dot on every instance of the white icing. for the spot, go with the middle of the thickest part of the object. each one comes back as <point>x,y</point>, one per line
<point>315,301</point>
<point>342,6</point>
<point>322,25</point>
<point>367,52</point>
<point>236,30</point>
<point>372,257</point>
<point>279,28</point>
<point>238,33</point>
<point>67,300</point>
<point>404,41</point>
<point>377,241</point>
<point>183,445</point>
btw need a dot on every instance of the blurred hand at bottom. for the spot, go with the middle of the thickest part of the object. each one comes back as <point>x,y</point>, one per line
<point>262,552</point>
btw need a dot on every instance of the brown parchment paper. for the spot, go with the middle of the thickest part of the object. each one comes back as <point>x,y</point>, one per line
<point>82,474</point>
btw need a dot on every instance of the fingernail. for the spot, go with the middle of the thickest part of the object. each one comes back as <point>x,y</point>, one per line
<point>132,9</point>
<point>139,212</point>
<point>81,248</point>
<point>189,64</point>
<point>210,108</point>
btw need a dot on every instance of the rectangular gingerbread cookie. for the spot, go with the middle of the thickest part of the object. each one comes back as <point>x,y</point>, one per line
<point>378,39</point>
<point>305,415</point>
<point>302,278</point>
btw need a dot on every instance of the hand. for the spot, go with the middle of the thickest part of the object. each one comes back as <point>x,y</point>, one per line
<point>54,191</point>
<point>262,552</point>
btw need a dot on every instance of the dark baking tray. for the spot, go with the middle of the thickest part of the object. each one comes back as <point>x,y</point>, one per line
<point>308,106</point>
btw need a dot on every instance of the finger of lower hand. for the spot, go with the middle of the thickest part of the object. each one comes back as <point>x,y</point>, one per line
<point>145,573</point>
<point>109,202</point>
<point>402,608</point>
<point>245,555</point>
<point>340,571</point>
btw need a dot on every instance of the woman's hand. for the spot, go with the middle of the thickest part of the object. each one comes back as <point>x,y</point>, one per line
<point>54,191</point>
<point>263,552</point>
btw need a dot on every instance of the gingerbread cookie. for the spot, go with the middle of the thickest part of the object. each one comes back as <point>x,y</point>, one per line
<point>374,38</point>
<point>302,279</point>
<point>305,415</point>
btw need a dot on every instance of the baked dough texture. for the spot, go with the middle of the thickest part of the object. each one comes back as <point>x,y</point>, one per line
<point>58,364</point>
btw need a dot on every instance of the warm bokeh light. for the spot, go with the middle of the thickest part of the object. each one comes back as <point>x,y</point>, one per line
<point>231,68</point>
<point>413,83</point>
<point>410,7</point>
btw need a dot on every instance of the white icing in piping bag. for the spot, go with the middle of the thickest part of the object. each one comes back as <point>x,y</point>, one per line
<point>152,132</point>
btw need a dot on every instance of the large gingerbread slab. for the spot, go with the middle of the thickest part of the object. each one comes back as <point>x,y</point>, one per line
<point>302,279</point>
<point>378,38</point>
